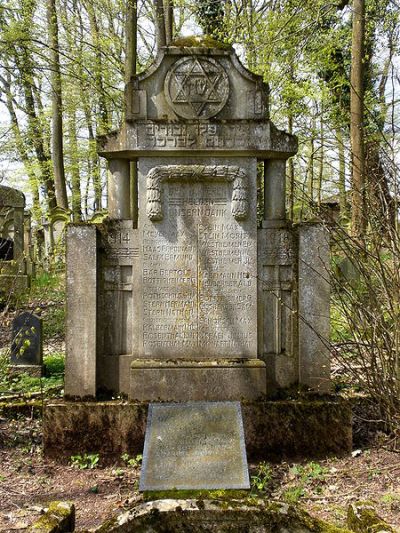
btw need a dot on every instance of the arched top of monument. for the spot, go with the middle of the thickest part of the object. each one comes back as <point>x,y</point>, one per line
<point>197,78</point>
<point>10,197</point>
<point>197,97</point>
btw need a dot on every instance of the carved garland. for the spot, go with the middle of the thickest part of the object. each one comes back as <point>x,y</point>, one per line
<point>157,175</point>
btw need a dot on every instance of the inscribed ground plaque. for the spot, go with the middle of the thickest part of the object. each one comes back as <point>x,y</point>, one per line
<point>194,445</point>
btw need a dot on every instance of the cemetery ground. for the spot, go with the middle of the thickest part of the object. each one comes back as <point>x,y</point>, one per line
<point>28,481</point>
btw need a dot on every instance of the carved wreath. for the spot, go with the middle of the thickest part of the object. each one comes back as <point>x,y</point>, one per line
<point>239,205</point>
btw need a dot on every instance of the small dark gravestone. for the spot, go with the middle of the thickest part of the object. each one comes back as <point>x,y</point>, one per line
<point>26,347</point>
<point>194,446</point>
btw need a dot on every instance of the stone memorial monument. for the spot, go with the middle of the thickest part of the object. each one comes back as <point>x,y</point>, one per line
<point>185,293</point>
<point>14,264</point>
<point>27,344</point>
<point>188,296</point>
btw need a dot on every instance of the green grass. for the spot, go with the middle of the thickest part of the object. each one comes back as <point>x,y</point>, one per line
<point>26,384</point>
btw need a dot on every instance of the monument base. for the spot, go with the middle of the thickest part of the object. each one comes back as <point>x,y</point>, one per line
<point>35,371</point>
<point>182,380</point>
<point>273,429</point>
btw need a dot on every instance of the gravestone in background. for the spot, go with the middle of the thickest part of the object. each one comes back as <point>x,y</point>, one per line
<point>27,344</point>
<point>14,271</point>
<point>198,445</point>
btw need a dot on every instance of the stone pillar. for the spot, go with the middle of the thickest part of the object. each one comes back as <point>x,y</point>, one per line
<point>119,185</point>
<point>314,295</point>
<point>81,282</point>
<point>274,190</point>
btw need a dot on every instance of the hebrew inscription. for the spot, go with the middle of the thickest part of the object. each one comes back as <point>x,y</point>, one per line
<point>201,136</point>
<point>198,264</point>
<point>196,87</point>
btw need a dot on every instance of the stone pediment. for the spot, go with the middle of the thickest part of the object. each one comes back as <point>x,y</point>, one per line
<point>197,96</point>
<point>197,83</point>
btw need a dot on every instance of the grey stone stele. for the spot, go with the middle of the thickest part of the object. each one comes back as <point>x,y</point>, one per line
<point>14,273</point>
<point>181,294</point>
<point>27,342</point>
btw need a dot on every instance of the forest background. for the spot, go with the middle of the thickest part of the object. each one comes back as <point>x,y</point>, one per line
<point>334,78</point>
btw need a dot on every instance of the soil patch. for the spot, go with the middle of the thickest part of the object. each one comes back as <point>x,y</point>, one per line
<point>28,482</point>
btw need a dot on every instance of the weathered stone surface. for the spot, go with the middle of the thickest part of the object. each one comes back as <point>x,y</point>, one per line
<point>10,197</point>
<point>151,137</point>
<point>108,428</point>
<point>362,518</point>
<point>81,282</point>
<point>181,279</point>
<point>217,516</point>
<point>314,315</point>
<point>59,518</point>
<point>277,306</point>
<point>195,445</point>
<point>13,265</point>
<point>273,429</point>
<point>182,80</point>
<point>27,343</point>
<point>212,380</point>
<point>198,260</point>
<point>297,428</point>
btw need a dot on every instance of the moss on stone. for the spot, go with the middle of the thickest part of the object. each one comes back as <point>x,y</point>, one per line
<point>59,518</point>
<point>200,41</point>
<point>220,494</point>
<point>191,515</point>
<point>16,408</point>
<point>362,518</point>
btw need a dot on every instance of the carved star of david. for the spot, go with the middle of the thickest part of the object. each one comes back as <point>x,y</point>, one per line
<point>197,87</point>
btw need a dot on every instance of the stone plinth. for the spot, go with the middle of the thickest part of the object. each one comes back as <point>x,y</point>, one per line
<point>273,429</point>
<point>210,380</point>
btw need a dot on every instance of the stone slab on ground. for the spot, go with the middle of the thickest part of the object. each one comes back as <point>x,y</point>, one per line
<point>273,429</point>
<point>194,445</point>
<point>217,516</point>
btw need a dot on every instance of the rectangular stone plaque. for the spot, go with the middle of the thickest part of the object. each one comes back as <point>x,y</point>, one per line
<point>194,446</point>
<point>199,256</point>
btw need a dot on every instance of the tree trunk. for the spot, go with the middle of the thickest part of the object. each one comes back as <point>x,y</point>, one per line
<point>321,161</point>
<point>23,152</point>
<point>103,122</point>
<point>131,40</point>
<point>342,175</point>
<point>291,172</point>
<point>358,218</point>
<point>57,111</point>
<point>160,24</point>
<point>169,20</point>
<point>36,137</point>
<point>310,171</point>
<point>75,175</point>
